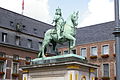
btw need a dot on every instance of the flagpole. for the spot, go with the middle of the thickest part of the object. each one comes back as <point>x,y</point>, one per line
<point>22,12</point>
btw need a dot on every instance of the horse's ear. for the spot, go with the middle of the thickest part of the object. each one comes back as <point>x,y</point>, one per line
<point>77,13</point>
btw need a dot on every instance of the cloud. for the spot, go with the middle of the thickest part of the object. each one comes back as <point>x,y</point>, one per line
<point>37,9</point>
<point>99,11</point>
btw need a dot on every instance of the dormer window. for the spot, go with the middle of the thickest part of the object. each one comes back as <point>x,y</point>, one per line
<point>18,27</point>
<point>35,30</point>
<point>29,43</point>
<point>17,40</point>
<point>11,23</point>
<point>4,37</point>
<point>24,27</point>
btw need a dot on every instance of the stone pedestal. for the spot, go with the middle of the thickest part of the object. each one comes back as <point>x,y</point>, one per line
<point>72,67</point>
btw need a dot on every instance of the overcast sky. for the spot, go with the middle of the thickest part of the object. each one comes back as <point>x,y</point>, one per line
<point>90,11</point>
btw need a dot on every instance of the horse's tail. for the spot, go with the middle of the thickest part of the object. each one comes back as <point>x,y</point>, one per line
<point>40,54</point>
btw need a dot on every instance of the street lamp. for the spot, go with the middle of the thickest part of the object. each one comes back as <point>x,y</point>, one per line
<point>116,32</point>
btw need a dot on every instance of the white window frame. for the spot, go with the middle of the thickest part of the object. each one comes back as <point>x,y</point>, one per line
<point>17,67</point>
<point>12,69</point>
<point>102,49</point>
<point>81,50</point>
<point>91,50</point>
<point>103,69</point>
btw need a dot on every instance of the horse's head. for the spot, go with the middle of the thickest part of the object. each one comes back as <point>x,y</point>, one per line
<point>74,18</point>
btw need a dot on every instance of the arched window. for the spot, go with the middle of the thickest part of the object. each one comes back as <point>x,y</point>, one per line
<point>83,78</point>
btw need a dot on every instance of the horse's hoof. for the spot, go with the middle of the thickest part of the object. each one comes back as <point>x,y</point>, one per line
<point>44,56</point>
<point>71,47</point>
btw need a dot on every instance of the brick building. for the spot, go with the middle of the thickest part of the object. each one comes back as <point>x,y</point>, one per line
<point>20,38</point>
<point>97,44</point>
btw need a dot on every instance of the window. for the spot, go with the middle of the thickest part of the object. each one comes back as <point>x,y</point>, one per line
<point>15,64</point>
<point>15,68</point>
<point>105,49</point>
<point>66,52</point>
<point>29,43</point>
<point>1,66</point>
<point>83,52</point>
<point>2,70</point>
<point>4,37</point>
<point>35,30</point>
<point>96,72</point>
<point>17,41</point>
<point>18,27</point>
<point>74,51</point>
<point>83,77</point>
<point>15,57</point>
<point>93,51</point>
<point>11,23</point>
<point>24,27</point>
<point>28,59</point>
<point>105,70</point>
<point>59,53</point>
<point>2,54</point>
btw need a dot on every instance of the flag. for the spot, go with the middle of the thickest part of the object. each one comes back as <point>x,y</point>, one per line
<point>22,6</point>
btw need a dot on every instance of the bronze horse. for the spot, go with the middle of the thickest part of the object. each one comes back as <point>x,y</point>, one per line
<point>68,34</point>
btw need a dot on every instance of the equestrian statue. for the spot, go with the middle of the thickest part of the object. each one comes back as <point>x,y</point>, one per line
<point>64,31</point>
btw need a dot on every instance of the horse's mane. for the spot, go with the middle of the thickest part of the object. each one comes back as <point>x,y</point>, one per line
<point>68,21</point>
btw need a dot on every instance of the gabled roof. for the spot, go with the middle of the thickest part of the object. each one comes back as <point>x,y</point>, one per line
<point>29,24</point>
<point>95,33</point>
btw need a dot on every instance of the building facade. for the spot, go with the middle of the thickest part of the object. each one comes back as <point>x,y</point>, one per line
<point>20,40</point>
<point>21,36</point>
<point>97,44</point>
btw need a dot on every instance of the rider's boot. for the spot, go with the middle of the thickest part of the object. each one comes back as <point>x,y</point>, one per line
<point>59,37</point>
